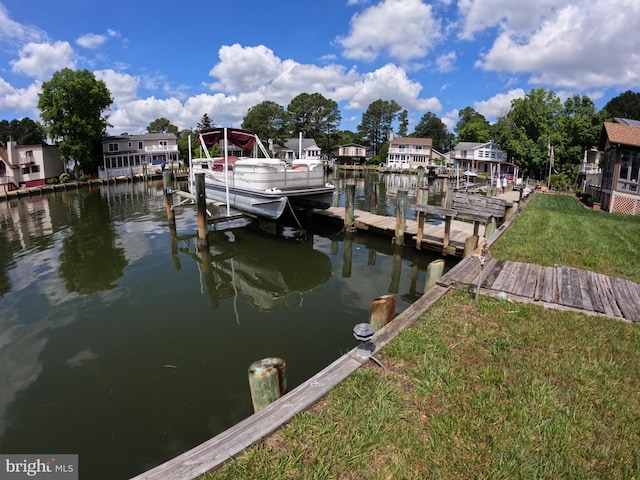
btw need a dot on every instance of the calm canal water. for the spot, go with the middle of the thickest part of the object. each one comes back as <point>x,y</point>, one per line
<point>122,343</point>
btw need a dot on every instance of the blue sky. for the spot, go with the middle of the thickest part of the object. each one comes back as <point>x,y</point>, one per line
<point>161,59</point>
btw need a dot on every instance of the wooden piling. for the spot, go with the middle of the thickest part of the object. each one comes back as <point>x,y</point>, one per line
<point>382,311</point>
<point>470,244</point>
<point>490,228</point>
<point>434,272</point>
<point>374,198</point>
<point>201,205</point>
<point>267,381</point>
<point>401,216</point>
<point>168,197</point>
<point>349,207</point>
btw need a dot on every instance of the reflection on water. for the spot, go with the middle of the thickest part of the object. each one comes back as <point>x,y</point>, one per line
<point>122,342</point>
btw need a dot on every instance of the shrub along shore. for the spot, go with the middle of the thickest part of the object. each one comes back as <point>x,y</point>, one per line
<point>488,390</point>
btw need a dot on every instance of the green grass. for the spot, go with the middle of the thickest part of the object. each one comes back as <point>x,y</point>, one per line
<point>557,229</point>
<point>494,390</point>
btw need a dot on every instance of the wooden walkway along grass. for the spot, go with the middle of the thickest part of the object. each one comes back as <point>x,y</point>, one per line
<point>433,233</point>
<point>590,292</point>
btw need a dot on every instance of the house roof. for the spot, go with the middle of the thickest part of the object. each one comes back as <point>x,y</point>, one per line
<point>469,145</point>
<point>621,134</point>
<point>627,121</point>
<point>411,141</point>
<point>142,136</point>
<point>293,144</point>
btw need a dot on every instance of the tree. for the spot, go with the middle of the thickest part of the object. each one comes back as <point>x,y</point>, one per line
<point>432,127</point>
<point>23,132</point>
<point>625,105</point>
<point>526,131</point>
<point>162,125</point>
<point>581,125</point>
<point>376,124</point>
<point>403,123</point>
<point>315,117</point>
<point>205,122</point>
<point>73,106</point>
<point>267,120</point>
<point>472,127</point>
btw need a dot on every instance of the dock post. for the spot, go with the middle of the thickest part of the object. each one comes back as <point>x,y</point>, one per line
<point>419,185</point>
<point>349,207</point>
<point>382,311</point>
<point>168,197</point>
<point>401,217</point>
<point>434,272</point>
<point>267,381</point>
<point>470,244</point>
<point>374,198</point>
<point>490,227</point>
<point>201,204</point>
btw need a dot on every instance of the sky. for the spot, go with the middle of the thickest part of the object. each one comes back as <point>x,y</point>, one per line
<point>180,61</point>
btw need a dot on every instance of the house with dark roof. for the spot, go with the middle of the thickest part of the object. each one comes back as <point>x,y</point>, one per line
<point>297,148</point>
<point>619,191</point>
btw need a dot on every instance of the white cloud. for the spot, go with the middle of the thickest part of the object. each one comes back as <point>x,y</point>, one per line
<point>389,82</point>
<point>123,87</point>
<point>39,60</point>
<point>91,40</point>
<point>23,99</point>
<point>499,104</point>
<point>16,33</point>
<point>403,29</point>
<point>570,44</point>
<point>446,62</point>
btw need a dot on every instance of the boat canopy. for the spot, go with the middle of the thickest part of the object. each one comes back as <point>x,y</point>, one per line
<point>241,138</point>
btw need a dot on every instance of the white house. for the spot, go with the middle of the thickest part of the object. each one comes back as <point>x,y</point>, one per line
<point>483,158</point>
<point>127,155</point>
<point>410,152</point>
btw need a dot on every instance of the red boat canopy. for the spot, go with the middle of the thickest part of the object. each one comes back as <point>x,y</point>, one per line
<point>241,138</point>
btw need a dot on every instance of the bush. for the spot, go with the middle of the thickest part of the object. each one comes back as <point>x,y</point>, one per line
<point>52,181</point>
<point>64,177</point>
<point>83,178</point>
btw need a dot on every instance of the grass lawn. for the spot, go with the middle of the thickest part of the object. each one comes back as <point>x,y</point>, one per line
<point>494,390</point>
<point>557,229</point>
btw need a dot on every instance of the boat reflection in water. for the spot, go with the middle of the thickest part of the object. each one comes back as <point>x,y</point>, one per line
<point>252,263</point>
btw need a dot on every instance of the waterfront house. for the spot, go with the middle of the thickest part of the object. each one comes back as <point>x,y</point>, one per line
<point>410,152</point>
<point>351,154</point>
<point>128,155</point>
<point>483,158</point>
<point>619,191</point>
<point>28,165</point>
<point>297,148</point>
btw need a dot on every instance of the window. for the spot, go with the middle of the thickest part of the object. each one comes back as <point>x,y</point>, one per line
<point>35,168</point>
<point>130,145</point>
<point>629,171</point>
<point>113,147</point>
<point>140,145</point>
<point>163,143</point>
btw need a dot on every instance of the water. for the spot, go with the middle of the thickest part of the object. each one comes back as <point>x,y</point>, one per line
<point>121,342</point>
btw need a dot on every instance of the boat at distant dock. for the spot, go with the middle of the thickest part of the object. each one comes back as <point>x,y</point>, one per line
<point>259,185</point>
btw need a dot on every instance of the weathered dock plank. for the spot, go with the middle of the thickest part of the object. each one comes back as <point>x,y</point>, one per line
<point>520,279</point>
<point>550,289</point>
<point>608,297</point>
<point>585,293</point>
<point>493,273</point>
<point>530,282</point>
<point>624,299</point>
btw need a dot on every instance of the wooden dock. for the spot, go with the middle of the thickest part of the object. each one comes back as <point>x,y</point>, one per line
<point>557,286</point>
<point>433,233</point>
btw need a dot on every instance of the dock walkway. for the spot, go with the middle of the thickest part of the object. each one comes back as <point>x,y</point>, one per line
<point>555,286</point>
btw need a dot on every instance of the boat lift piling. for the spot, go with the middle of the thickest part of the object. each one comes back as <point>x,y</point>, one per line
<point>201,206</point>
